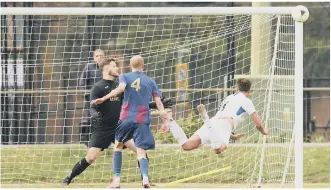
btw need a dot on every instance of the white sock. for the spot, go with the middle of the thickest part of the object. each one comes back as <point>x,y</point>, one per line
<point>145,180</point>
<point>178,132</point>
<point>117,179</point>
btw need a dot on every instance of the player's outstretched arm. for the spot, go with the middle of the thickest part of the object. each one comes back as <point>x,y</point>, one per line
<point>116,91</point>
<point>236,136</point>
<point>159,105</point>
<point>259,126</point>
<point>158,113</point>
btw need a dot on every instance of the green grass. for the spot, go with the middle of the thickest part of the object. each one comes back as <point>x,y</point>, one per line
<point>137,185</point>
<point>48,165</point>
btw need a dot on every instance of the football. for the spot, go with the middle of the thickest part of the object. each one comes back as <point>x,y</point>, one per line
<point>300,13</point>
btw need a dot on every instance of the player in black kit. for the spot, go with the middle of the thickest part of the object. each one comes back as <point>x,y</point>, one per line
<point>104,118</point>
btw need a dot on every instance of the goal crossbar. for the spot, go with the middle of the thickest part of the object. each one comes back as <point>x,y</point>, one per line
<point>145,10</point>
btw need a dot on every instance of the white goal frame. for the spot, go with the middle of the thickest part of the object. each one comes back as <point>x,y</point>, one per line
<point>203,11</point>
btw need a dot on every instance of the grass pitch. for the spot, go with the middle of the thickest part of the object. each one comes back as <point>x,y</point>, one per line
<point>137,185</point>
<point>47,165</point>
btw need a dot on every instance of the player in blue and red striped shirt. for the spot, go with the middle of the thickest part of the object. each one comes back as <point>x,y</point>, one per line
<point>135,118</point>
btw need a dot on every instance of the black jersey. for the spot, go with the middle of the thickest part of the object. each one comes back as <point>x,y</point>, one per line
<point>106,115</point>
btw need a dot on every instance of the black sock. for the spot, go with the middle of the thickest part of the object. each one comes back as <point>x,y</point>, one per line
<point>139,166</point>
<point>79,168</point>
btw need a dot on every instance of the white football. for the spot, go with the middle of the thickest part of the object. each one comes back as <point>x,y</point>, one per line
<point>300,13</point>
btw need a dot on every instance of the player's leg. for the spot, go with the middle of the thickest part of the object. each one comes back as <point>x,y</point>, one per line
<point>92,154</point>
<point>175,130</point>
<point>144,140</point>
<point>192,143</point>
<point>179,134</point>
<point>123,134</point>
<point>117,164</point>
<point>143,165</point>
<point>100,140</point>
<point>130,144</point>
<point>221,148</point>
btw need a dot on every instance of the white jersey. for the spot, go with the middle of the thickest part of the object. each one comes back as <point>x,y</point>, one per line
<point>235,106</point>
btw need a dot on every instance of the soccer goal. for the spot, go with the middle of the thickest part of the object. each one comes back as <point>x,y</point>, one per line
<point>195,54</point>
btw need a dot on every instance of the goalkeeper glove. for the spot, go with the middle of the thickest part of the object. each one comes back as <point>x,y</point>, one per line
<point>167,103</point>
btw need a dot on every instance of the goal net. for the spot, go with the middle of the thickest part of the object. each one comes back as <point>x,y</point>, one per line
<point>193,59</point>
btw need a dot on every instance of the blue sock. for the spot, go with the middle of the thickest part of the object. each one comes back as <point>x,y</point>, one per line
<point>144,167</point>
<point>117,163</point>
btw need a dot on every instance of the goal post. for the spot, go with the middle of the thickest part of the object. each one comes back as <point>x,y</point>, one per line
<point>185,52</point>
<point>298,105</point>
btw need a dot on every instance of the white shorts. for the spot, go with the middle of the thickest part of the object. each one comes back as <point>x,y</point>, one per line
<point>221,128</point>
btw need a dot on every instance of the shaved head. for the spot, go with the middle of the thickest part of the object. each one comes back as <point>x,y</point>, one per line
<point>137,62</point>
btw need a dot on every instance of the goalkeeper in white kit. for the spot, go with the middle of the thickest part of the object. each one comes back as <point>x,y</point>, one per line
<point>217,130</point>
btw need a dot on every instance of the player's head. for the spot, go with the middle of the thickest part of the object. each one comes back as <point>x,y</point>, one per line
<point>137,62</point>
<point>108,66</point>
<point>98,55</point>
<point>244,85</point>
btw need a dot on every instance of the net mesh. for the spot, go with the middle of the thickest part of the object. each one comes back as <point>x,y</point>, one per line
<point>193,59</point>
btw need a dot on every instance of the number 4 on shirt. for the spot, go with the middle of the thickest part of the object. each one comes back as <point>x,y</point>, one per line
<point>136,84</point>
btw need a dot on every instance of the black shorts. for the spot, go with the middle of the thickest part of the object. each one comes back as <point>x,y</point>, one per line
<point>102,139</point>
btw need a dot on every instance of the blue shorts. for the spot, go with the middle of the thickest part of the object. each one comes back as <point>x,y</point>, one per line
<point>140,132</point>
